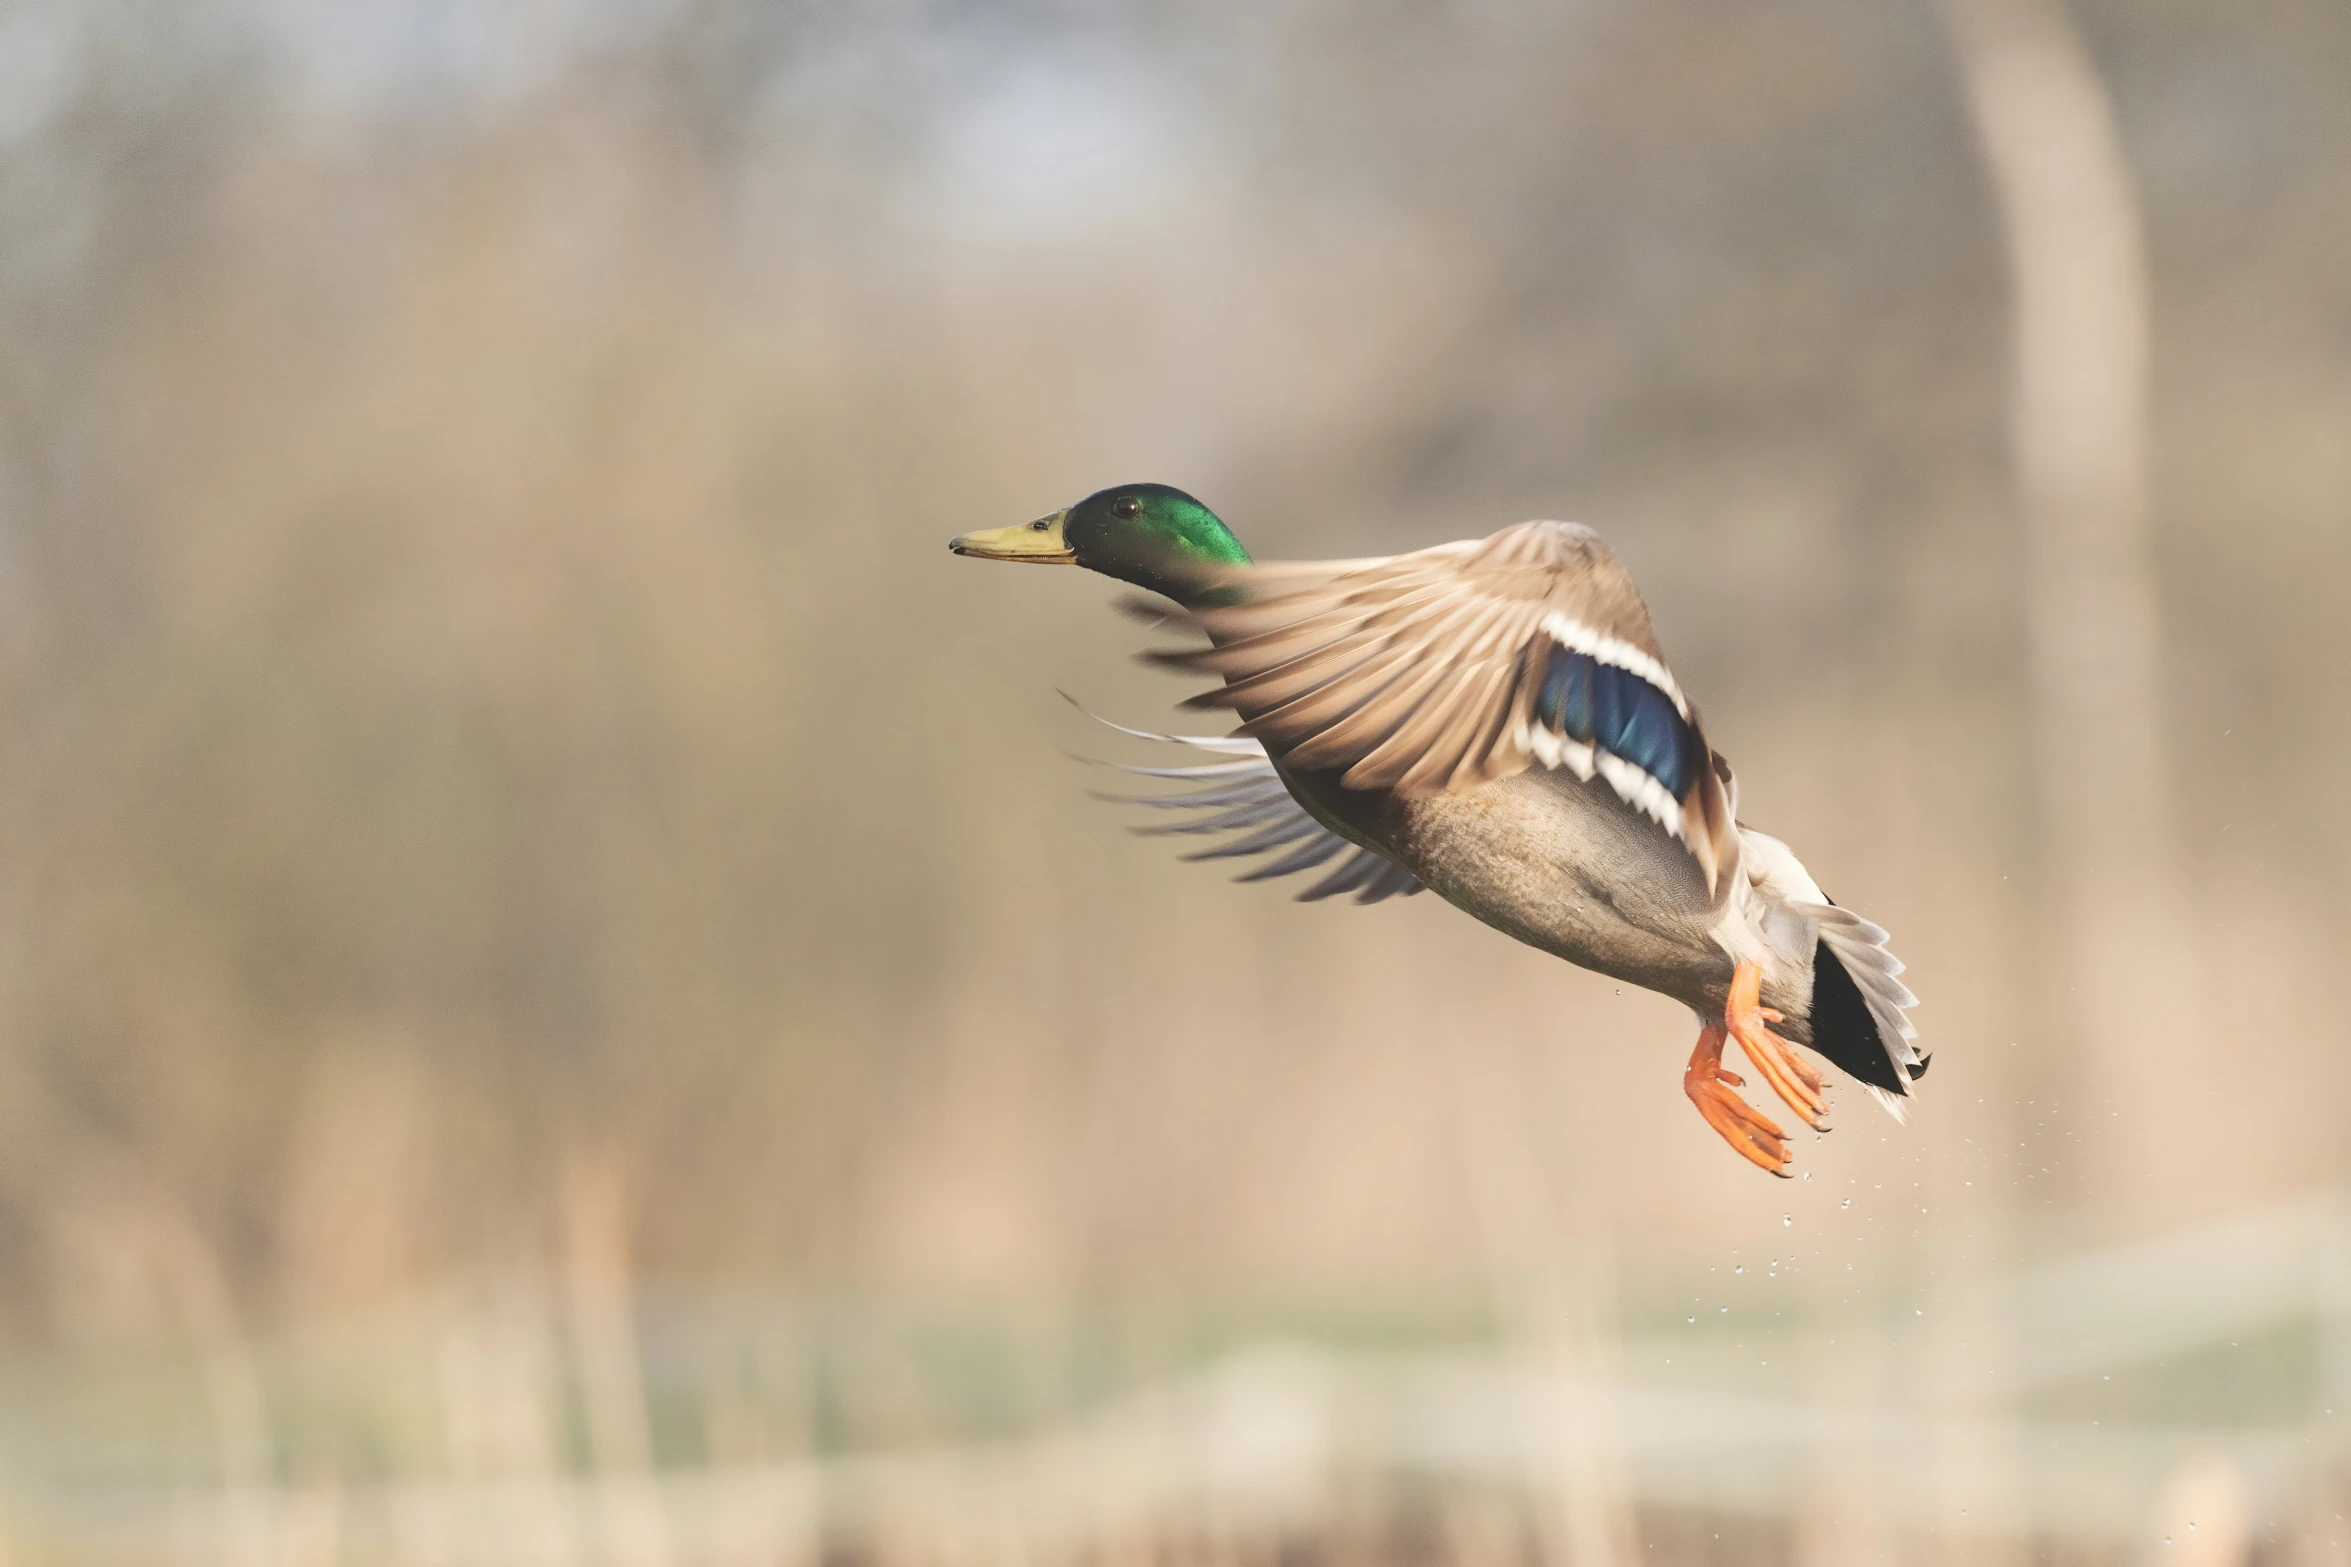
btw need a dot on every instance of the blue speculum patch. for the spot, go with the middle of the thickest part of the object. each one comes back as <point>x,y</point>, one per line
<point>1623,715</point>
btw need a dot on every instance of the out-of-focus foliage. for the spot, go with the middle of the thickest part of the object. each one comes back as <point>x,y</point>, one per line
<point>496,752</point>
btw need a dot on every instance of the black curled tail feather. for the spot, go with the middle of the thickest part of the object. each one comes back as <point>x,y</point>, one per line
<point>1858,1005</point>
<point>1842,1028</point>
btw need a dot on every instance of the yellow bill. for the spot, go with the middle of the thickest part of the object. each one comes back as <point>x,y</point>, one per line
<point>1036,543</point>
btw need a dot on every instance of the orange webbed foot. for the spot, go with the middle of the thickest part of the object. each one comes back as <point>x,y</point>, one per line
<point>1789,1075</point>
<point>1709,1083</point>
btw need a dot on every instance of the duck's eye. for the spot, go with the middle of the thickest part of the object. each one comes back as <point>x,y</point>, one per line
<point>1125,506</point>
<point>1040,525</point>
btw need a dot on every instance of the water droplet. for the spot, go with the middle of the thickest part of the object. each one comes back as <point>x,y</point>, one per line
<point>1847,1203</point>
<point>1808,1175</point>
<point>1741,1268</point>
<point>1693,1319</point>
<point>1787,1219</point>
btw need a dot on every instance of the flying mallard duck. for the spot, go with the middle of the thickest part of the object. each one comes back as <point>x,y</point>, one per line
<point>1493,719</point>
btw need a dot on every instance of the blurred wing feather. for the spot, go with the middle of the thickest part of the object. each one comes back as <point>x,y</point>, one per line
<point>1248,792</point>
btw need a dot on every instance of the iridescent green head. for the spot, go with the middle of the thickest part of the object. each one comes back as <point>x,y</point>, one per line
<point>1151,535</point>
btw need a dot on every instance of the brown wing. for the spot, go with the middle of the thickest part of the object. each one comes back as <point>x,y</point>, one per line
<point>1453,666</point>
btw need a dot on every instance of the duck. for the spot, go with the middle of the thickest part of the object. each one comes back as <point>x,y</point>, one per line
<point>1493,720</point>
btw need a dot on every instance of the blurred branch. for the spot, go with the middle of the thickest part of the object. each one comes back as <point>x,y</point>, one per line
<point>91,1190</point>
<point>1551,1272</point>
<point>2078,428</point>
<point>596,1267</point>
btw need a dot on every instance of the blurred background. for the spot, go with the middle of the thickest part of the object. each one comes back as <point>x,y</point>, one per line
<point>561,1001</point>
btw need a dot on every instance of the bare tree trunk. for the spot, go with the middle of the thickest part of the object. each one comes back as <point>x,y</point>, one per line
<point>2078,429</point>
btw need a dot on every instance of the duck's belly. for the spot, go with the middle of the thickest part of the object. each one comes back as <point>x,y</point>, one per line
<point>1562,865</point>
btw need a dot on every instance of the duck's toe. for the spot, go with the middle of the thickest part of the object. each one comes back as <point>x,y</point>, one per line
<point>1709,1085</point>
<point>1789,1074</point>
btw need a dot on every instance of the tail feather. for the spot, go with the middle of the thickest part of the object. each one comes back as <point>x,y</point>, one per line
<point>1859,1005</point>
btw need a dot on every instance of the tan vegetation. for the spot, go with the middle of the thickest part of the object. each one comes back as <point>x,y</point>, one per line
<point>554,972</point>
